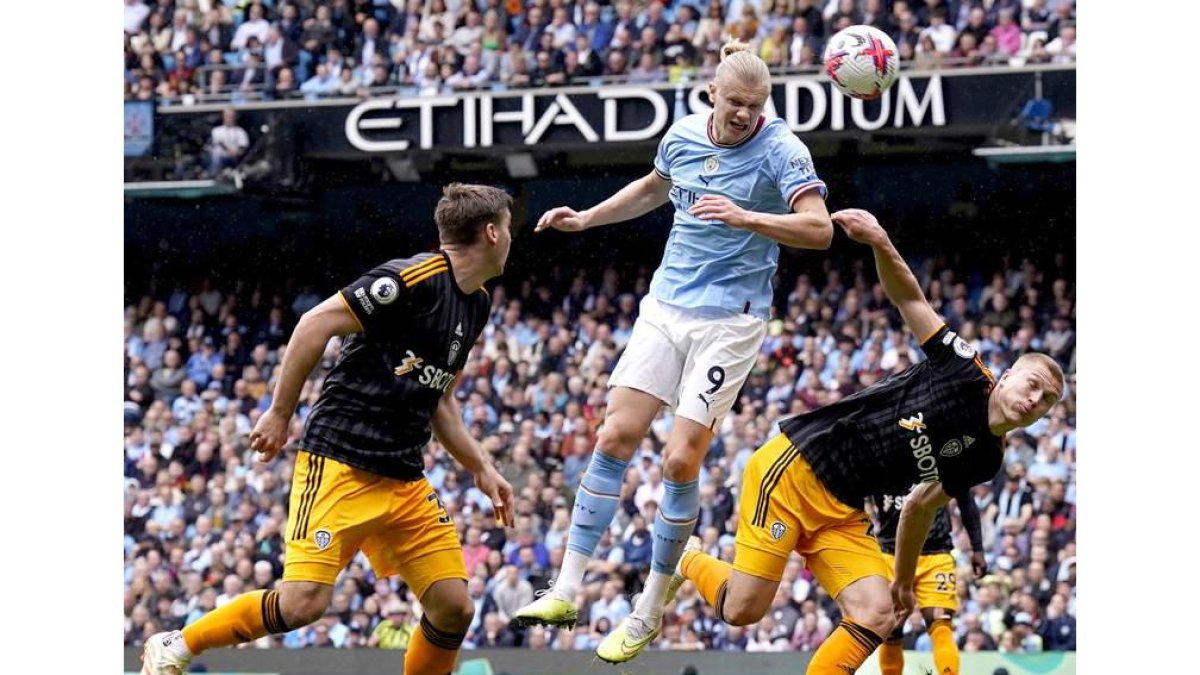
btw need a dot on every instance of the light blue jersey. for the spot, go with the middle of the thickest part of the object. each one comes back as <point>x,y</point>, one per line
<point>708,264</point>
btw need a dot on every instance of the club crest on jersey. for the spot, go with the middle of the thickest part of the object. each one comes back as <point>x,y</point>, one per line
<point>951,448</point>
<point>915,423</point>
<point>711,164</point>
<point>778,529</point>
<point>454,347</point>
<point>384,290</point>
<point>323,539</point>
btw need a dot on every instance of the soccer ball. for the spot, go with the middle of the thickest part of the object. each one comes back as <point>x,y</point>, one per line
<point>862,61</point>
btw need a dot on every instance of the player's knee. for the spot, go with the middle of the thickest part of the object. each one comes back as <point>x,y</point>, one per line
<point>742,616</point>
<point>463,615</point>
<point>617,441</point>
<point>875,616</point>
<point>680,463</point>
<point>741,611</point>
<point>454,616</point>
<point>303,603</point>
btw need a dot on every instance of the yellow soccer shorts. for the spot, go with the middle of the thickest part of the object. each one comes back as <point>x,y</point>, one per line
<point>935,583</point>
<point>784,507</point>
<point>336,510</point>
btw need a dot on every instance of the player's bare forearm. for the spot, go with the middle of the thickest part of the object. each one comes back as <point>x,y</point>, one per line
<point>313,332</point>
<point>635,199</point>
<point>916,517</point>
<point>798,230</point>
<point>898,281</point>
<point>897,277</point>
<point>901,287</point>
<point>450,431</point>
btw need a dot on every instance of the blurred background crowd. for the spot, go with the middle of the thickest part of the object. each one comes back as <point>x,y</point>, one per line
<point>204,519</point>
<point>183,52</point>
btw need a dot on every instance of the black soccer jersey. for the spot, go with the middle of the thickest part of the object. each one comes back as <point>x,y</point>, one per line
<point>376,409</point>
<point>926,424</point>
<point>888,509</point>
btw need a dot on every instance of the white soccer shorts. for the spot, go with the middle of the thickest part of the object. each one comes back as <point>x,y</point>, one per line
<point>692,360</point>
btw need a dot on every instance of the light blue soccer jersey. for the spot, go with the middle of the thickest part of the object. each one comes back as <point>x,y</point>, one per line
<point>708,264</point>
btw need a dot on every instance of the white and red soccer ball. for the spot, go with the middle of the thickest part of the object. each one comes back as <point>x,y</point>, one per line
<point>862,61</point>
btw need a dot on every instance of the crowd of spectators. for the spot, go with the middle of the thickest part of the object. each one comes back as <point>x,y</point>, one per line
<point>188,51</point>
<point>204,519</point>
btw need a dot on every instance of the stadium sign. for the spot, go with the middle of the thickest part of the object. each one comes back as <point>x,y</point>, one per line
<point>964,103</point>
<point>395,125</point>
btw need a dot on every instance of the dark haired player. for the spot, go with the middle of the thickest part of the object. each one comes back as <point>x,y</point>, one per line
<point>358,482</point>
<point>936,580</point>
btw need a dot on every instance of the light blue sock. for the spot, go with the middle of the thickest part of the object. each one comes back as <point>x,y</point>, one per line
<point>675,522</point>
<point>596,502</point>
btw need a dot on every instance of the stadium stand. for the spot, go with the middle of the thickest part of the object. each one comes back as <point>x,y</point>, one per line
<point>203,518</point>
<point>211,51</point>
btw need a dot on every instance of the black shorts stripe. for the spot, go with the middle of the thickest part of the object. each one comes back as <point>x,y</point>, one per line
<point>304,494</point>
<point>316,466</point>
<point>795,452</point>
<point>770,481</point>
<point>320,462</point>
<point>760,503</point>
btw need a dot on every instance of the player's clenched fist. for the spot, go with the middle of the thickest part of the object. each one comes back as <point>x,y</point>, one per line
<point>563,218</point>
<point>860,226</point>
<point>716,207</point>
<point>269,435</point>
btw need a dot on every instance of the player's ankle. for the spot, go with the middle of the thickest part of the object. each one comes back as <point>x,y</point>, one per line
<point>179,648</point>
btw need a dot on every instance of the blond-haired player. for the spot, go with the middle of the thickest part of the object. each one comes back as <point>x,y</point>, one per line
<point>938,424</point>
<point>741,185</point>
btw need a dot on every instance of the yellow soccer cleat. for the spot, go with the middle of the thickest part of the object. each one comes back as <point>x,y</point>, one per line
<point>623,643</point>
<point>548,610</point>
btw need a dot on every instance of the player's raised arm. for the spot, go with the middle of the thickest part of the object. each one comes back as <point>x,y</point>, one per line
<point>313,331</point>
<point>897,279</point>
<point>638,198</point>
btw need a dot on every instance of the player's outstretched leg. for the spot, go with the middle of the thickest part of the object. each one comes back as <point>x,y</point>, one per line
<point>448,614</point>
<point>673,525</point>
<point>891,654</point>
<point>867,616</point>
<point>629,415</point>
<point>941,632</point>
<point>246,618</point>
<point>739,599</point>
